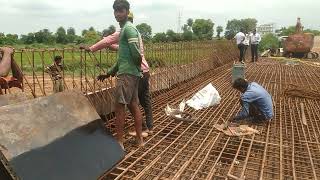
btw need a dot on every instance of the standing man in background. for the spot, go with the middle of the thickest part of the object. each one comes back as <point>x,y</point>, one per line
<point>255,39</point>
<point>246,44</point>
<point>240,37</point>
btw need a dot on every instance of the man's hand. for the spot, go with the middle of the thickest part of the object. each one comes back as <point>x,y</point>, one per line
<point>102,77</point>
<point>85,48</point>
<point>7,50</point>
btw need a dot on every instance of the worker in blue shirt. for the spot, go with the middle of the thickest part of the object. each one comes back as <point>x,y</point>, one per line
<point>256,102</point>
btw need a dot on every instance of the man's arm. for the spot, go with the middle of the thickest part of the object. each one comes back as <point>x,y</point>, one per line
<point>6,61</point>
<point>244,113</point>
<point>258,38</point>
<point>113,70</point>
<point>134,44</point>
<point>105,42</point>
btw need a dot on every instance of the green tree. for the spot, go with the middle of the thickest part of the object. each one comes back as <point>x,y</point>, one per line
<point>159,37</point>
<point>61,36</point>
<point>91,29</point>
<point>91,37</point>
<point>190,22</point>
<point>268,41</point>
<point>71,35</point>
<point>187,36</point>
<point>145,31</point>
<point>219,30</point>
<point>314,32</point>
<point>28,39</point>
<point>249,24</point>
<point>44,36</point>
<point>234,26</point>
<point>286,31</point>
<point>84,32</point>
<point>173,36</point>
<point>203,29</point>
<point>111,29</point>
<point>71,31</point>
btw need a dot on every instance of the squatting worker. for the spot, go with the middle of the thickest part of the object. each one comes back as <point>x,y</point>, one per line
<point>128,71</point>
<point>240,37</point>
<point>111,42</point>
<point>256,102</point>
<point>55,71</point>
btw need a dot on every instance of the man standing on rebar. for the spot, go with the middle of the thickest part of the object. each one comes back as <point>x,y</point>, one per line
<point>256,102</point>
<point>128,70</point>
<point>111,42</point>
<point>255,39</point>
<point>240,37</point>
<point>55,70</point>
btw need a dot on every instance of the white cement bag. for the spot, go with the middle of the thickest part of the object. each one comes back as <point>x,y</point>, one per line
<point>206,97</point>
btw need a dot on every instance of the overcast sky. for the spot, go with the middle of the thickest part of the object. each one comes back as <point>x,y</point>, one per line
<point>23,16</point>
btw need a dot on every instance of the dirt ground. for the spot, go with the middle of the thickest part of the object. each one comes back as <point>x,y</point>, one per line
<point>316,46</point>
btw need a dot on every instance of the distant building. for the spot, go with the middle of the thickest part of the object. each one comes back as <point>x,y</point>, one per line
<point>266,29</point>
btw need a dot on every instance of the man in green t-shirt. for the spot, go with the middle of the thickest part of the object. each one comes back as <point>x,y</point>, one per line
<point>128,71</point>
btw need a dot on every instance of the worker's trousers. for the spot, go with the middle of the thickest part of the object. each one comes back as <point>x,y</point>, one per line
<point>145,100</point>
<point>241,49</point>
<point>254,52</point>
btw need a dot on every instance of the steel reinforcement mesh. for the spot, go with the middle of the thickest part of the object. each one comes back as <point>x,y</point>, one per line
<point>286,148</point>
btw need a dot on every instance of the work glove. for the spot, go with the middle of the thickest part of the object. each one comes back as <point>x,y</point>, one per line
<point>102,77</point>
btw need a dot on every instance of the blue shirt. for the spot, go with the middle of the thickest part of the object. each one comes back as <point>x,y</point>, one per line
<point>259,97</point>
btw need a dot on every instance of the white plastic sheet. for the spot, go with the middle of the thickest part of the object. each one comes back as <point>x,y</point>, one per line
<point>206,97</point>
<point>175,112</point>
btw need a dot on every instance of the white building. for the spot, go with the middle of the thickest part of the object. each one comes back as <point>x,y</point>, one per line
<point>266,28</point>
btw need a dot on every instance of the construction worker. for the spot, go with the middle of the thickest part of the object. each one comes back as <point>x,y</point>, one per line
<point>256,102</point>
<point>55,71</point>
<point>128,71</point>
<point>111,42</point>
<point>255,39</point>
<point>240,37</point>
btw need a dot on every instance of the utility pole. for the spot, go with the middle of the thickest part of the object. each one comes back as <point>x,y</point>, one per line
<point>179,22</point>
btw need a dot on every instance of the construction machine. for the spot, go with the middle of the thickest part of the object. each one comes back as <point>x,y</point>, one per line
<point>297,45</point>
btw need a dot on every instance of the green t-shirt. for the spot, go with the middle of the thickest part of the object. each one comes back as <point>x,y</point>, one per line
<point>127,61</point>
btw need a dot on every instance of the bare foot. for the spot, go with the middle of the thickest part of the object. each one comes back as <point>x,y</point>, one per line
<point>133,133</point>
<point>140,142</point>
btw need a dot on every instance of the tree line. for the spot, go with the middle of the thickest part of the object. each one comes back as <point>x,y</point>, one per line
<point>193,29</point>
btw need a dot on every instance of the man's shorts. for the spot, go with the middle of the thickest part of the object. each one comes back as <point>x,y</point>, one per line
<point>127,89</point>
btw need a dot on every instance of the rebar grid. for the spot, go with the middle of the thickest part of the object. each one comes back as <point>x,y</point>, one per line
<point>286,148</point>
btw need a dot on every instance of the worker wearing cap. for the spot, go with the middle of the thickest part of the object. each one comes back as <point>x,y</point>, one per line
<point>111,42</point>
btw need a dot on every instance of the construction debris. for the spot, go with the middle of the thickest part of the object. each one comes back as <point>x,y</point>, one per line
<point>178,113</point>
<point>206,97</point>
<point>241,130</point>
<point>301,92</point>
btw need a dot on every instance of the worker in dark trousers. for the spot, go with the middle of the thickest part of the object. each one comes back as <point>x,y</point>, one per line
<point>255,39</point>
<point>240,37</point>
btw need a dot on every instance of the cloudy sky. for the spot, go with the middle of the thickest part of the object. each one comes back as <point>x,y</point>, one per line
<point>23,16</point>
